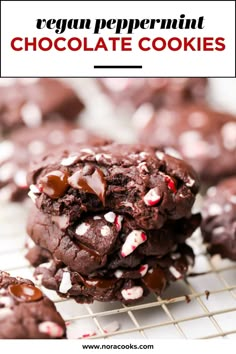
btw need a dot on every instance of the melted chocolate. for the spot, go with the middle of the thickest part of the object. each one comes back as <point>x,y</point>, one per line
<point>94,184</point>
<point>92,253</point>
<point>155,280</point>
<point>101,283</point>
<point>54,184</point>
<point>25,292</point>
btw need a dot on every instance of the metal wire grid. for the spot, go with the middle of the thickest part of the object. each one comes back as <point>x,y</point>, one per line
<point>183,311</point>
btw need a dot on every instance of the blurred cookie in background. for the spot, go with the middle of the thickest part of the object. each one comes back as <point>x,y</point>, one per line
<point>219,219</point>
<point>26,145</point>
<point>203,137</point>
<point>27,102</point>
<point>134,92</point>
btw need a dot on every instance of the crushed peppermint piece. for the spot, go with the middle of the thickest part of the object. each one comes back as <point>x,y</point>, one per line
<point>211,192</point>
<point>70,160</point>
<point>152,197</point>
<point>82,229</point>
<point>175,256</point>
<point>97,218</point>
<point>143,269</point>
<point>51,328</point>
<point>118,273</point>
<point>105,230</point>
<point>228,132</point>
<point>65,283</point>
<point>31,114</point>
<point>34,189</point>
<point>190,182</point>
<point>214,209</point>
<point>133,293</point>
<point>170,184</point>
<point>118,222</point>
<point>175,272</point>
<point>87,151</point>
<point>160,155</point>
<point>7,149</point>
<point>218,230</point>
<point>133,240</point>
<point>142,167</point>
<point>46,265</point>
<point>111,327</point>
<point>110,217</point>
<point>174,153</point>
<point>91,282</point>
<point>98,157</point>
<point>88,334</point>
<point>20,178</point>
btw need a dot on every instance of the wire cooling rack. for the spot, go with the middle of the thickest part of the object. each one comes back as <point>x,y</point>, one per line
<point>201,306</point>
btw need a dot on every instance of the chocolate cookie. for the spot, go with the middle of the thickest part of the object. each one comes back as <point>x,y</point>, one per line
<point>125,285</point>
<point>103,243</point>
<point>157,91</point>
<point>219,219</point>
<point>30,103</point>
<point>27,144</point>
<point>143,183</point>
<point>205,138</point>
<point>25,313</point>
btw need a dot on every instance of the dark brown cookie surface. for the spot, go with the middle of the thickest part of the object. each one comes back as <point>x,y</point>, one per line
<point>27,103</point>
<point>219,219</point>
<point>205,138</point>
<point>25,313</point>
<point>142,182</point>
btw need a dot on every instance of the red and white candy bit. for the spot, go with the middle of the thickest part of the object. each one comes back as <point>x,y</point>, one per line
<point>152,197</point>
<point>143,269</point>
<point>88,334</point>
<point>136,292</point>
<point>112,327</point>
<point>34,190</point>
<point>65,284</point>
<point>70,160</point>
<point>171,184</point>
<point>51,328</point>
<point>118,222</point>
<point>133,240</point>
<point>176,274</point>
<point>118,273</point>
<point>110,217</point>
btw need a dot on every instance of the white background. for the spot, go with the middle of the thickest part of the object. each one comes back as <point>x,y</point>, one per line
<point>19,19</point>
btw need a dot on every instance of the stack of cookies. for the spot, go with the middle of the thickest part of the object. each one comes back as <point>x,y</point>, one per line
<point>112,221</point>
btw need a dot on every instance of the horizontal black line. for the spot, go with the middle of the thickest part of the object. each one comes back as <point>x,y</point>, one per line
<point>118,66</point>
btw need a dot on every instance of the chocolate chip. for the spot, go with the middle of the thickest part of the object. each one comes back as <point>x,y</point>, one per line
<point>155,280</point>
<point>54,184</point>
<point>25,292</point>
<point>94,183</point>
